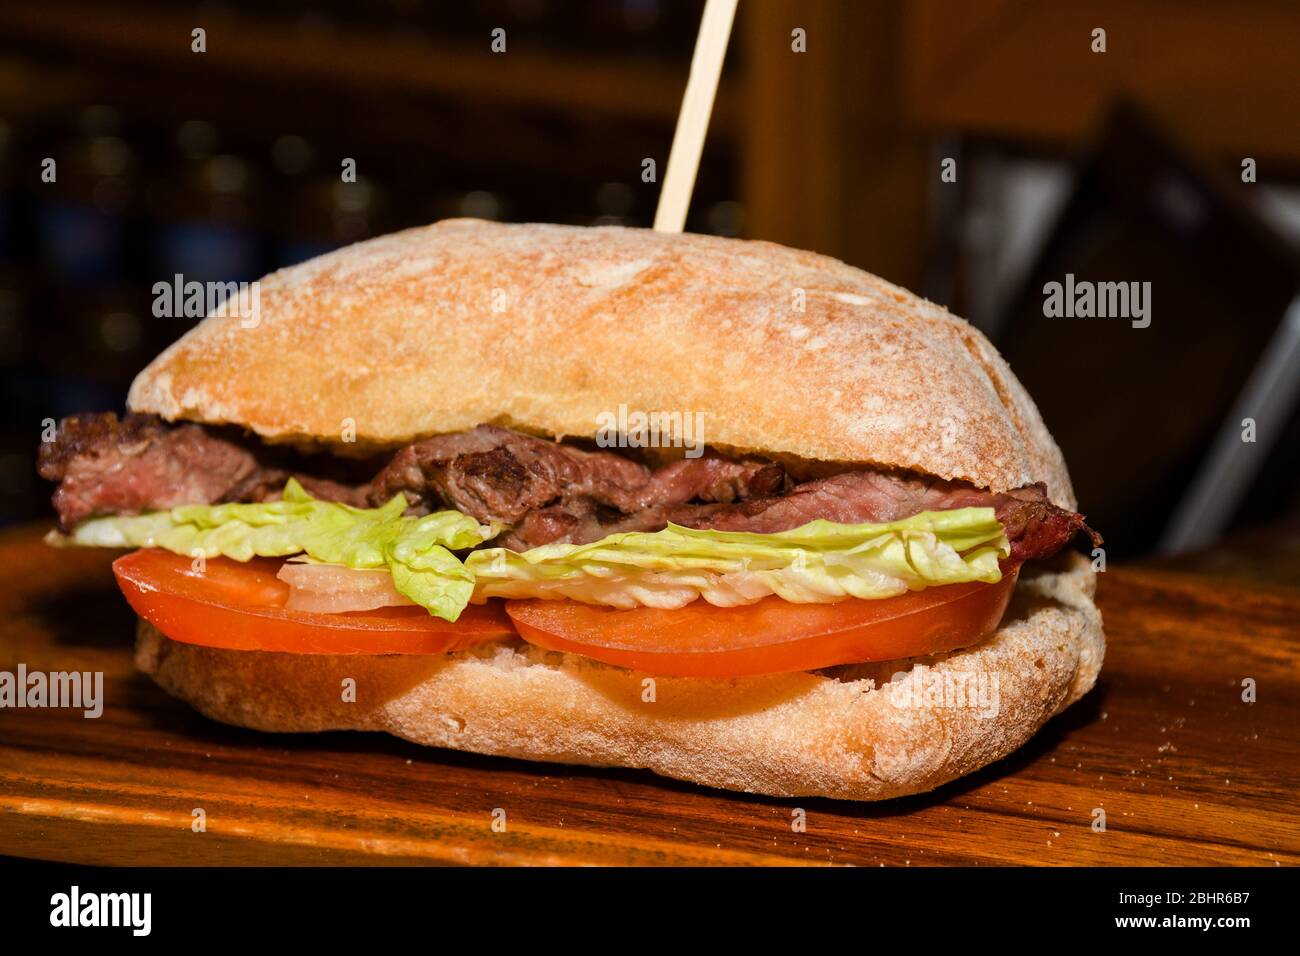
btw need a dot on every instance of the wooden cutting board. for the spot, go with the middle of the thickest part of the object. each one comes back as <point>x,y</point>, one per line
<point>1186,772</point>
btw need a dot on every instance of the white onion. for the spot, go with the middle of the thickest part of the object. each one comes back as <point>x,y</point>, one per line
<point>332,588</point>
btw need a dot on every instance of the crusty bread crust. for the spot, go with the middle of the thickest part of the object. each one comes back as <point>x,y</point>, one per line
<point>545,328</point>
<point>850,733</point>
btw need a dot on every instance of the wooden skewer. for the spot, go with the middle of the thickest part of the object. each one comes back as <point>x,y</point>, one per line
<point>693,120</point>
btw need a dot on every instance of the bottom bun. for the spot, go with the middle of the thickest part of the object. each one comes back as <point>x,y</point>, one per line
<point>862,732</point>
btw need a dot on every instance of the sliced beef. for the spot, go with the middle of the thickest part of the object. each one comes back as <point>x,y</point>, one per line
<point>850,498</point>
<point>495,474</point>
<point>1035,527</point>
<point>576,521</point>
<point>140,463</point>
<point>710,478</point>
<point>107,466</point>
<point>580,518</point>
<point>544,491</point>
<point>267,484</point>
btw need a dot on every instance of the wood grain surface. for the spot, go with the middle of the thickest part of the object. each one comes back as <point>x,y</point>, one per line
<point>1186,772</point>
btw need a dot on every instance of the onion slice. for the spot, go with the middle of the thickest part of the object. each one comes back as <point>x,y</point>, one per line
<point>333,589</point>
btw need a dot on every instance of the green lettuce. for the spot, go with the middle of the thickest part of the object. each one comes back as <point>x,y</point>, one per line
<point>818,562</point>
<point>417,551</point>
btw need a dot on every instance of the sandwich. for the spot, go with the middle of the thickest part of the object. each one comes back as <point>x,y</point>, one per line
<point>738,514</point>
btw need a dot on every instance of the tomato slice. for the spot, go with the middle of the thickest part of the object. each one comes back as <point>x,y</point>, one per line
<point>772,636</point>
<point>240,606</point>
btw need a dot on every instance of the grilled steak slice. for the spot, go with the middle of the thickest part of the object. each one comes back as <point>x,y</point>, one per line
<point>107,466</point>
<point>495,474</point>
<point>140,463</point>
<point>711,478</point>
<point>267,484</point>
<point>578,521</point>
<point>1035,527</point>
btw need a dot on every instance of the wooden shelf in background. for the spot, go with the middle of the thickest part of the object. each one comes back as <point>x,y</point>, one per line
<point>274,52</point>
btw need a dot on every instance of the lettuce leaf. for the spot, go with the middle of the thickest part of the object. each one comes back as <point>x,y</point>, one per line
<point>417,551</point>
<point>818,562</point>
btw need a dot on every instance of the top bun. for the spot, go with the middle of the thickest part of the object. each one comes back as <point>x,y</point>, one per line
<point>544,328</point>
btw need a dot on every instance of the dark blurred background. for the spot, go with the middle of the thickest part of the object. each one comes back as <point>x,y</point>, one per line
<point>1125,165</point>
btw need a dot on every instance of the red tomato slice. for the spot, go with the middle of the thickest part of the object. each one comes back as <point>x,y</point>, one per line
<point>770,637</point>
<point>240,606</point>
